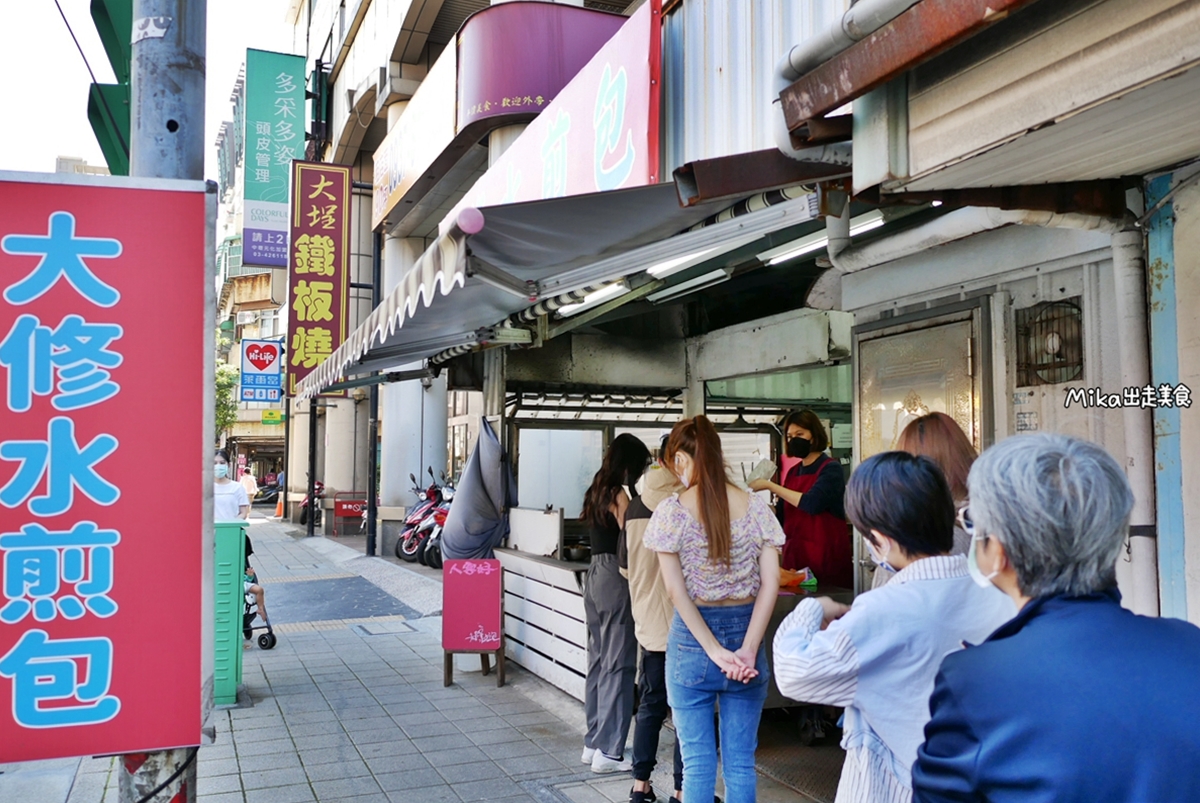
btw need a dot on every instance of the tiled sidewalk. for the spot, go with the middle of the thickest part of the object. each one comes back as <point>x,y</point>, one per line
<point>353,708</point>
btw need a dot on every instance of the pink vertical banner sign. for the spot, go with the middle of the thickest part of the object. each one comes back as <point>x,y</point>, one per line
<point>103,338</point>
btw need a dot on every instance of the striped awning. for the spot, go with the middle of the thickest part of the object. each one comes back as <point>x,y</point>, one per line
<point>498,261</point>
<point>440,269</point>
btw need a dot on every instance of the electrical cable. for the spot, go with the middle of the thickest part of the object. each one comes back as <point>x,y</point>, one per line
<point>111,118</point>
<point>177,773</point>
<point>1141,222</point>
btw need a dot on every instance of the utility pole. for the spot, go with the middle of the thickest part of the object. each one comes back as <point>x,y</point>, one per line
<point>167,89</point>
<point>166,141</point>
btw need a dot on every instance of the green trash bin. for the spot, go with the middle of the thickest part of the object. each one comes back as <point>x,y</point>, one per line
<point>228,607</point>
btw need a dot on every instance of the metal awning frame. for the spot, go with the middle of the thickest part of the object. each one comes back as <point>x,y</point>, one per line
<point>923,31</point>
<point>360,353</point>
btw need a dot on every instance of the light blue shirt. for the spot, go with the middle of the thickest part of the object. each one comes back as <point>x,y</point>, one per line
<point>879,662</point>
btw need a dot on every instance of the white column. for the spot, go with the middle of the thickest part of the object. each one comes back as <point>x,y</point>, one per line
<point>400,403</point>
<point>434,427</point>
<point>297,467</point>
<point>500,139</point>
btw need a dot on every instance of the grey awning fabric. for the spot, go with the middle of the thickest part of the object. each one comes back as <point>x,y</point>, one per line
<point>497,261</point>
<point>439,305</point>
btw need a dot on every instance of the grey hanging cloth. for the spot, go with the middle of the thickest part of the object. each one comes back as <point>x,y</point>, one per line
<point>478,518</point>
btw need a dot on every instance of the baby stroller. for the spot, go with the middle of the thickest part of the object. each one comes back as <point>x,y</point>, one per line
<point>265,640</point>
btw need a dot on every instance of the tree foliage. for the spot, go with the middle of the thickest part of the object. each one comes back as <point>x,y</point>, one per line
<point>226,397</point>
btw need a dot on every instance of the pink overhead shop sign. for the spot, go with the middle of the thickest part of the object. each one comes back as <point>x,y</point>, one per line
<point>599,134</point>
<point>517,62</point>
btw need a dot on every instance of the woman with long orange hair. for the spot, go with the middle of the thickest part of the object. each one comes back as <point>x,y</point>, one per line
<point>940,438</point>
<point>719,556</point>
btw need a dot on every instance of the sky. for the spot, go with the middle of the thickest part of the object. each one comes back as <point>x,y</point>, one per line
<point>44,97</point>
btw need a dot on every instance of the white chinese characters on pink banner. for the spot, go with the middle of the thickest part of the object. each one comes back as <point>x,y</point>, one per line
<point>100,336</point>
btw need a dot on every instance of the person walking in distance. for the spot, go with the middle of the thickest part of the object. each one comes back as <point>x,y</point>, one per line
<point>250,484</point>
<point>229,498</point>
<point>652,612</point>
<point>229,504</point>
<point>612,647</point>
<point>718,554</point>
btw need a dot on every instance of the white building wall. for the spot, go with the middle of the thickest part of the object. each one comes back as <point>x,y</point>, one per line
<point>1020,267</point>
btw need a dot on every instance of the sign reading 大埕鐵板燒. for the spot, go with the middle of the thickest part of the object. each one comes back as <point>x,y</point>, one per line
<point>318,267</point>
<point>87,666</point>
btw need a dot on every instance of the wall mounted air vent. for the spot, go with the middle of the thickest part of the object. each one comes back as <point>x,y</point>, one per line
<point>1050,343</point>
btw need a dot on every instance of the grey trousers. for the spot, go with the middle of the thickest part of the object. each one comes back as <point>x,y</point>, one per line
<point>612,657</point>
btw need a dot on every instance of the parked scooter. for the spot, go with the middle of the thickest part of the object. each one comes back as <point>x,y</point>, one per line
<point>431,555</point>
<point>408,547</point>
<point>267,495</point>
<point>319,492</point>
<point>424,524</point>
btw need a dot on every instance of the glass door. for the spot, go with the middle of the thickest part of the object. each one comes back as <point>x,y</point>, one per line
<point>905,376</point>
<point>911,367</point>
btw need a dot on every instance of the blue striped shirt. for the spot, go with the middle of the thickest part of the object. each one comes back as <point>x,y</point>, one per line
<point>879,662</point>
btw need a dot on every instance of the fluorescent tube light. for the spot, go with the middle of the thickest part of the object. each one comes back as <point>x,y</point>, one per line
<point>690,286</point>
<point>595,299</point>
<point>805,245</point>
<point>818,239</point>
<point>676,264</point>
<point>871,220</point>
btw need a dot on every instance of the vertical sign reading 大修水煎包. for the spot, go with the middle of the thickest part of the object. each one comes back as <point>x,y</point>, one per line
<point>274,92</point>
<point>319,266</point>
<point>98,335</point>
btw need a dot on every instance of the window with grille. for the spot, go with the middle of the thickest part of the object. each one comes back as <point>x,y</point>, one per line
<point>1050,343</point>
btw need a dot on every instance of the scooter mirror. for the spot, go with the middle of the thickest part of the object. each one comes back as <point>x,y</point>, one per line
<point>413,477</point>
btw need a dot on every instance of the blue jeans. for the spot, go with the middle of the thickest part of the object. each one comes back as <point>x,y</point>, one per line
<point>694,686</point>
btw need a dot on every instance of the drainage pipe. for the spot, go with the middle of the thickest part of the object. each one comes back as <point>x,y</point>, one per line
<point>1129,275</point>
<point>863,18</point>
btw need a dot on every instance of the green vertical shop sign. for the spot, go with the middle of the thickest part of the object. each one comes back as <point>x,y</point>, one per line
<point>274,136</point>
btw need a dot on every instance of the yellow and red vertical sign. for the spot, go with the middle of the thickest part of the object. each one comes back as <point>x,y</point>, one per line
<point>318,266</point>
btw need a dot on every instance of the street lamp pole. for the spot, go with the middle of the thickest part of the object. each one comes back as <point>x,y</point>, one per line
<point>166,141</point>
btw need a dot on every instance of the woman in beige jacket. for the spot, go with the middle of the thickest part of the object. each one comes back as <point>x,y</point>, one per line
<point>652,612</point>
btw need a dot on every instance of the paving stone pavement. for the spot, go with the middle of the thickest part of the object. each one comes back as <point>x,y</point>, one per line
<point>350,706</point>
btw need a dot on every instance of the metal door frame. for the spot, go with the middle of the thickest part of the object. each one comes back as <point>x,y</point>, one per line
<point>978,311</point>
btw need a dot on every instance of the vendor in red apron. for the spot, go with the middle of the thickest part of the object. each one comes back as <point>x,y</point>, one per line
<point>814,519</point>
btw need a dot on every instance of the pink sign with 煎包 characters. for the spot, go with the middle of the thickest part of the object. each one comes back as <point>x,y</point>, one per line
<point>599,133</point>
<point>103,326</point>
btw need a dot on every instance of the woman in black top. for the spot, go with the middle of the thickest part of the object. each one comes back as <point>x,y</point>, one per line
<point>612,647</point>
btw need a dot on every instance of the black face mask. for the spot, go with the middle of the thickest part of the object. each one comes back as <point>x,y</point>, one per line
<point>798,447</point>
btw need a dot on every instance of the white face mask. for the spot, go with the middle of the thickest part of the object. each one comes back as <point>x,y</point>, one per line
<point>881,560</point>
<point>982,580</point>
<point>681,472</point>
